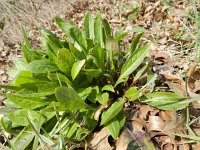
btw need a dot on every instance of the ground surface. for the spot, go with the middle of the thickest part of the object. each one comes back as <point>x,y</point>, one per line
<point>171,27</point>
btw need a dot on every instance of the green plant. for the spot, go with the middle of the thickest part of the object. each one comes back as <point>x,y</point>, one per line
<point>62,94</point>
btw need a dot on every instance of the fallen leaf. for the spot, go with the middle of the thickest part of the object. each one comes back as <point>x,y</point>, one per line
<point>99,140</point>
<point>191,71</point>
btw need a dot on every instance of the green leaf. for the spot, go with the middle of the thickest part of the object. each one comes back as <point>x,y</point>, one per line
<point>114,126</point>
<point>65,61</point>
<point>79,37</point>
<point>79,55</point>
<point>70,99</point>
<point>132,94</point>
<point>11,87</point>
<point>37,89</point>
<point>112,111</point>
<point>72,129</point>
<point>20,63</point>
<point>103,98</point>
<point>141,72</point>
<point>7,126</point>
<point>132,63</point>
<point>23,139</point>
<point>60,78</point>
<point>26,53</point>
<point>26,102</point>
<point>25,37</point>
<point>76,68</point>
<point>109,88</point>
<point>51,43</point>
<point>106,28</point>
<point>134,43</point>
<point>93,72</point>
<point>41,66</point>
<point>165,100</point>
<point>120,34</point>
<point>64,26</point>
<point>192,137</point>
<point>138,29</point>
<point>89,26</point>
<point>98,55</point>
<point>25,77</point>
<point>98,30</point>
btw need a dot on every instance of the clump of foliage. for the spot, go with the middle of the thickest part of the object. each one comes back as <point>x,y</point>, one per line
<point>62,93</point>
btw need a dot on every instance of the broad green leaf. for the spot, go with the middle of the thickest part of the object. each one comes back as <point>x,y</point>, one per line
<point>60,78</point>
<point>93,94</point>
<point>79,37</point>
<point>51,43</point>
<point>26,102</point>
<point>37,89</point>
<point>165,100</point>
<point>106,28</point>
<point>64,26</point>
<point>7,126</point>
<point>65,61</point>
<point>98,30</point>
<point>93,72</point>
<point>132,94</point>
<point>19,117</point>
<point>11,87</point>
<point>103,98</point>
<point>12,72</point>
<point>31,54</point>
<point>89,26</point>
<point>70,98</point>
<point>114,126</point>
<point>112,111</point>
<point>23,139</point>
<point>98,55</point>
<point>41,66</point>
<point>19,63</point>
<point>76,68</point>
<point>25,77</point>
<point>134,43</point>
<point>120,34</point>
<point>84,93</point>
<point>109,88</point>
<point>132,63</point>
<point>79,55</point>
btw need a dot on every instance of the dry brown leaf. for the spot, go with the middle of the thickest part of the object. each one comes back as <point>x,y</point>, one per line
<point>156,123</point>
<point>196,146</point>
<point>138,125</point>
<point>191,71</point>
<point>168,143</point>
<point>160,55</point>
<point>168,115</point>
<point>99,140</point>
<point>143,111</point>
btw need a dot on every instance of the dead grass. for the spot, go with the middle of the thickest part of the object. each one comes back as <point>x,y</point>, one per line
<point>28,13</point>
